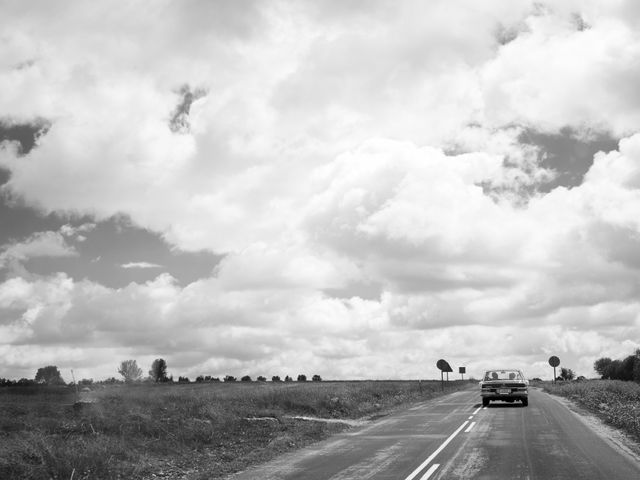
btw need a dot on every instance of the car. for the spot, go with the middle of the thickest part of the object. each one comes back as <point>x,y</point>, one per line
<point>507,385</point>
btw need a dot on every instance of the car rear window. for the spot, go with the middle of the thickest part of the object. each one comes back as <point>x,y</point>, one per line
<point>503,375</point>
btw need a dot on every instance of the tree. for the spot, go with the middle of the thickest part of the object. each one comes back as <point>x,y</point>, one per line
<point>602,366</point>
<point>158,370</point>
<point>636,366</point>
<point>229,378</point>
<point>130,371</point>
<point>627,367</point>
<point>49,375</point>
<point>288,379</point>
<point>316,378</point>
<point>276,378</point>
<point>262,379</point>
<point>567,374</point>
<point>246,378</point>
<point>183,380</point>
<point>302,378</point>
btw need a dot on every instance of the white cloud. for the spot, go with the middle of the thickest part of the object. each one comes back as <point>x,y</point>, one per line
<point>335,148</point>
<point>41,244</point>
<point>140,265</point>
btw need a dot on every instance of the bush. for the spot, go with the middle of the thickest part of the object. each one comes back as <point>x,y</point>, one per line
<point>276,378</point>
<point>302,378</point>
<point>246,378</point>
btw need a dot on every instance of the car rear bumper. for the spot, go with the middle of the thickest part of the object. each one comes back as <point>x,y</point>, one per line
<point>504,396</point>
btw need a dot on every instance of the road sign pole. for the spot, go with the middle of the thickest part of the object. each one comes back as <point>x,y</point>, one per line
<point>554,362</point>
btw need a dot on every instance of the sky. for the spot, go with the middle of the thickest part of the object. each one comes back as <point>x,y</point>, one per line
<point>353,189</point>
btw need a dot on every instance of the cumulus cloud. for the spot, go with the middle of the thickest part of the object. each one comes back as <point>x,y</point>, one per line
<point>320,148</point>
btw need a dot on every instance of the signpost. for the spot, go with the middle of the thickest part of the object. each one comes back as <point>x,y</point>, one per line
<point>444,367</point>
<point>462,371</point>
<point>554,362</point>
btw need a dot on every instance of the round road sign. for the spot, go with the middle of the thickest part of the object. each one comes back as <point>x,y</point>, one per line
<point>554,361</point>
<point>444,365</point>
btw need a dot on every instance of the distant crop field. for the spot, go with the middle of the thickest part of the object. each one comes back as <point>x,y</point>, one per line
<point>617,402</point>
<point>194,431</point>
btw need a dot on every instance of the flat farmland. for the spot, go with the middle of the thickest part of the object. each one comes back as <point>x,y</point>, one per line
<point>191,431</point>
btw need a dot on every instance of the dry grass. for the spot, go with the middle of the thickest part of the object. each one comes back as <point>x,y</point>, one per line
<point>617,402</point>
<point>179,431</point>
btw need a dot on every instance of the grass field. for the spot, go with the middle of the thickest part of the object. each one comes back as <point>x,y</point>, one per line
<point>617,402</point>
<point>193,431</point>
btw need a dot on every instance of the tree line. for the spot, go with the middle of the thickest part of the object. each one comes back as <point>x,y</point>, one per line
<point>132,373</point>
<point>627,369</point>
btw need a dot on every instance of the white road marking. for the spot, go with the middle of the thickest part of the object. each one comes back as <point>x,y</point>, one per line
<point>413,474</point>
<point>471,425</point>
<point>470,417</point>
<point>477,410</point>
<point>430,472</point>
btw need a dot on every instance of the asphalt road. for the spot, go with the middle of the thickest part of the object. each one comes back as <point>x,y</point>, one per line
<point>455,438</point>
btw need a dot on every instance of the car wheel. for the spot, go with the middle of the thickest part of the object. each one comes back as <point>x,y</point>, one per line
<point>485,402</point>
<point>525,402</point>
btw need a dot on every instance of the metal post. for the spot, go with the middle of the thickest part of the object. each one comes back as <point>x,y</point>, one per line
<point>76,385</point>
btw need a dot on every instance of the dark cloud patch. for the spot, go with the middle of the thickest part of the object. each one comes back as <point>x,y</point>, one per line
<point>506,34</point>
<point>179,122</point>
<point>24,134</point>
<point>579,22</point>
<point>566,153</point>
<point>366,291</point>
<point>117,242</point>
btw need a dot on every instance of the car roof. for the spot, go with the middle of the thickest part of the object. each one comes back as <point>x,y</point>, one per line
<point>503,370</point>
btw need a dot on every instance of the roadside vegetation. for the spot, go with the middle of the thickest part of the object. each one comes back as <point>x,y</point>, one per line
<point>616,402</point>
<point>180,430</point>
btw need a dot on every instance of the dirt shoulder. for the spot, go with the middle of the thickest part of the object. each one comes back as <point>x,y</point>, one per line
<point>597,422</point>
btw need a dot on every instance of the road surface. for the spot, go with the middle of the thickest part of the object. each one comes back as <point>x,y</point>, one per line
<point>454,438</point>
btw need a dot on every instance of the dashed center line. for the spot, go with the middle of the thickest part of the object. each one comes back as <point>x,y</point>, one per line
<point>413,474</point>
<point>430,472</point>
<point>435,466</point>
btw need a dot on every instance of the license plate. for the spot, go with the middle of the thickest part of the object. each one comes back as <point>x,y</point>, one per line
<point>504,391</point>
